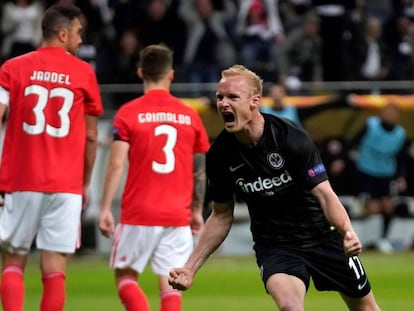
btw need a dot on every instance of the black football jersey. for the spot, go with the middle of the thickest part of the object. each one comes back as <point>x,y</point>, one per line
<point>274,178</point>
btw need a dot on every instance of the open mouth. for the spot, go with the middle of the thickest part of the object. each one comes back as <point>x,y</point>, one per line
<point>228,117</point>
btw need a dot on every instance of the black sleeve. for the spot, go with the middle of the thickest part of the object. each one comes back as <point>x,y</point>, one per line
<point>305,159</point>
<point>219,182</point>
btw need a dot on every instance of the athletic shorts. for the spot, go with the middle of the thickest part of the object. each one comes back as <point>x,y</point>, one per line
<point>376,187</point>
<point>327,265</point>
<point>52,218</point>
<point>166,247</point>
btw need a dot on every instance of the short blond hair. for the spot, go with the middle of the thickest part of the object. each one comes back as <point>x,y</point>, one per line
<point>255,82</point>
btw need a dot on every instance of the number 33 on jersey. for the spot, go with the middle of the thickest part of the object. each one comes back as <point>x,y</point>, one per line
<point>46,120</point>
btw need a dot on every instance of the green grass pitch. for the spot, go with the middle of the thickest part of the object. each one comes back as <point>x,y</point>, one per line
<point>224,283</point>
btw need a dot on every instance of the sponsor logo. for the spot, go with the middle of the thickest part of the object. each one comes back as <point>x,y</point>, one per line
<point>361,286</point>
<point>316,170</point>
<point>264,184</point>
<point>275,160</point>
<point>235,168</point>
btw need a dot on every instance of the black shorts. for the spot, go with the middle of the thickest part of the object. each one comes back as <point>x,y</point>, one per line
<point>376,187</point>
<point>327,265</point>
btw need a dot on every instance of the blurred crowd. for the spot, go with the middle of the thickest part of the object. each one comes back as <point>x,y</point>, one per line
<point>282,40</point>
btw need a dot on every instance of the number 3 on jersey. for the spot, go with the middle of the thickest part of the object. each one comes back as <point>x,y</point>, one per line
<point>41,125</point>
<point>168,149</point>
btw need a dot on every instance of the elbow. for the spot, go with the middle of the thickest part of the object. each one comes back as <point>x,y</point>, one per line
<point>227,220</point>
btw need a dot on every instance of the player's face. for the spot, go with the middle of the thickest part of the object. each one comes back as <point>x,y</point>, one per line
<point>235,103</point>
<point>74,37</point>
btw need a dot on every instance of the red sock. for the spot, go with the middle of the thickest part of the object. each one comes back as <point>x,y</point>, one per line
<point>12,288</point>
<point>132,295</point>
<point>54,292</point>
<point>171,300</point>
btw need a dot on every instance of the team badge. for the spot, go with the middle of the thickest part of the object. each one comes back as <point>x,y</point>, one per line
<point>275,160</point>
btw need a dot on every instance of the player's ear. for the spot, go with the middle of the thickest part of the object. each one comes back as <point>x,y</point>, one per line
<point>139,73</point>
<point>255,101</point>
<point>63,34</point>
<point>171,75</point>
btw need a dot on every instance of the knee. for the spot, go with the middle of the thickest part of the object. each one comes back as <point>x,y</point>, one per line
<point>289,303</point>
<point>287,291</point>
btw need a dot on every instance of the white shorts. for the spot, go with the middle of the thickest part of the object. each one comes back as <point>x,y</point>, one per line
<point>166,247</point>
<point>54,219</point>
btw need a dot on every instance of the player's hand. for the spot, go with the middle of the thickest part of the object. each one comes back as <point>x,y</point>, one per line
<point>352,245</point>
<point>181,278</point>
<point>106,223</point>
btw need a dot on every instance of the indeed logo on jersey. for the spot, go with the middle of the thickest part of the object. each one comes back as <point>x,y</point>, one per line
<point>316,170</point>
<point>264,184</point>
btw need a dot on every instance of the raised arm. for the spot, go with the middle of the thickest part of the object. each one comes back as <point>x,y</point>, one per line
<point>215,231</point>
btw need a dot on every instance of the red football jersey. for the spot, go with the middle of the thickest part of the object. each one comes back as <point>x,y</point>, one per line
<point>50,92</point>
<point>163,133</point>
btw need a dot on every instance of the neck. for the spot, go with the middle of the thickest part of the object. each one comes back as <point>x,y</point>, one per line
<point>252,132</point>
<point>159,85</point>
<point>53,44</point>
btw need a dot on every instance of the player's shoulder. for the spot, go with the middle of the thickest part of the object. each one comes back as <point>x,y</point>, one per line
<point>18,60</point>
<point>179,106</point>
<point>127,106</point>
<point>224,143</point>
<point>281,126</point>
<point>79,63</point>
<point>38,56</point>
<point>65,58</point>
<point>286,132</point>
<point>185,107</point>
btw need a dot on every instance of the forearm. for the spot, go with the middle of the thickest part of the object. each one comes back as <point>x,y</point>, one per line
<point>337,216</point>
<point>199,191</point>
<point>113,178</point>
<point>90,155</point>
<point>91,147</point>
<point>214,233</point>
<point>114,172</point>
<point>333,209</point>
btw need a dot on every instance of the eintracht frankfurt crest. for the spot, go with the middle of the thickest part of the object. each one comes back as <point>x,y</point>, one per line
<point>275,160</point>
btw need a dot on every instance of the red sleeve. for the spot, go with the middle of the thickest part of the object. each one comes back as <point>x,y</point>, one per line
<point>202,143</point>
<point>5,76</point>
<point>120,127</point>
<point>93,101</point>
